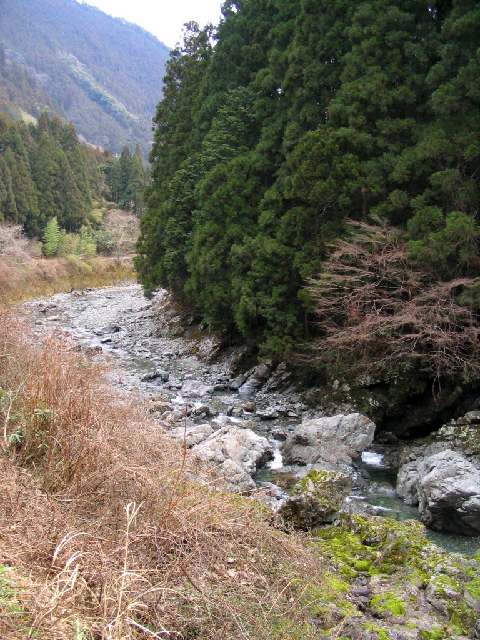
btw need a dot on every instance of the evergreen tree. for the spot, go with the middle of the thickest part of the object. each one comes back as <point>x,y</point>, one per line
<point>304,114</point>
<point>51,238</point>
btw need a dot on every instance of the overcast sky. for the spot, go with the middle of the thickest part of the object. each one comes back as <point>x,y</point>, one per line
<point>163,18</point>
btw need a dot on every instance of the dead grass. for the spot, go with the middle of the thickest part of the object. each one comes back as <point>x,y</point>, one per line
<point>24,278</point>
<point>113,530</point>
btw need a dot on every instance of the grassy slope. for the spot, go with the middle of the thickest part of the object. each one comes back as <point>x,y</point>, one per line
<point>24,279</point>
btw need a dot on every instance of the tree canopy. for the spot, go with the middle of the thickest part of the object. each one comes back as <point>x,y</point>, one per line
<point>304,114</point>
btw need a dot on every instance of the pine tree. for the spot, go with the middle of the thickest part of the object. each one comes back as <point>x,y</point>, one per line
<point>51,238</point>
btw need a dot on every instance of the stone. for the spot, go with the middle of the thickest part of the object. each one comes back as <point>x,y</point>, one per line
<point>332,440</point>
<point>407,482</point>
<point>256,378</point>
<point>243,446</point>
<point>158,374</point>
<point>449,493</point>
<point>270,413</point>
<point>196,389</point>
<point>192,435</point>
<point>209,348</point>
<point>316,499</point>
<point>200,409</point>
<point>170,319</point>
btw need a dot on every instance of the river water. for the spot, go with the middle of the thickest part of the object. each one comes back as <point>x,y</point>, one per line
<point>119,323</point>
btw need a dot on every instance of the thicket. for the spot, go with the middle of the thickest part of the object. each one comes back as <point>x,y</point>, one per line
<point>304,114</point>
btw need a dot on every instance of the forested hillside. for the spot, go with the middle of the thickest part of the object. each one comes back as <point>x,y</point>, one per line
<point>101,73</point>
<point>306,114</point>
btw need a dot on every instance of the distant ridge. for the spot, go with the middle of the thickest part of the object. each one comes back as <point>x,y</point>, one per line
<point>104,74</point>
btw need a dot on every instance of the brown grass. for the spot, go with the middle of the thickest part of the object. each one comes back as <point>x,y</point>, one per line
<point>24,278</point>
<point>113,531</point>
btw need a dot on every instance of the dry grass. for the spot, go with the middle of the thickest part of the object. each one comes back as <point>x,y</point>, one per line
<point>113,531</point>
<point>23,278</point>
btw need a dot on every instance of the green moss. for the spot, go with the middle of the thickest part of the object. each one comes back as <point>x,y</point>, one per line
<point>382,634</point>
<point>327,601</point>
<point>388,602</point>
<point>325,486</point>
<point>434,634</point>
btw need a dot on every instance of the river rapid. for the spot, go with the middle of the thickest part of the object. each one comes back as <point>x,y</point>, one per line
<point>119,324</point>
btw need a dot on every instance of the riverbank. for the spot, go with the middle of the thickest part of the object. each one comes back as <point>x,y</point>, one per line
<point>112,529</point>
<point>26,278</point>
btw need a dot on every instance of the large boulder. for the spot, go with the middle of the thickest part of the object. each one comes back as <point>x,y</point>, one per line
<point>193,434</point>
<point>243,446</point>
<point>196,389</point>
<point>407,482</point>
<point>331,442</point>
<point>316,499</point>
<point>449,493</point>
<point>255,379</point>
<point>235,478</point>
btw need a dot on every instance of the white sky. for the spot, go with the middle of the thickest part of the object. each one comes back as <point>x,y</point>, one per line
<point>163,18</point>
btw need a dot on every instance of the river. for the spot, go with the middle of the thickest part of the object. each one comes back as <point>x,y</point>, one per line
<point>119,323</point>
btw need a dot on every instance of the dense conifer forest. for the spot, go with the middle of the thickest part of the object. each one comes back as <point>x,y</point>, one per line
<point>45,172</point>
<point>294,118</point>
<point>55,188</point>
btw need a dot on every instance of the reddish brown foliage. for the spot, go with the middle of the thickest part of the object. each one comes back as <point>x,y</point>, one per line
<point>379,315</point>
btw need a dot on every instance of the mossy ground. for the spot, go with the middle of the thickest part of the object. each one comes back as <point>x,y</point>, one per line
<point>412,585</point>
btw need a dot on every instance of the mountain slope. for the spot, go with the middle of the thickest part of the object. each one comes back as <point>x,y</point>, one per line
<point>101,73</point>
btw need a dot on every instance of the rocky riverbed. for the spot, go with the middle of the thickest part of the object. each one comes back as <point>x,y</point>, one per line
<point>253,423</point>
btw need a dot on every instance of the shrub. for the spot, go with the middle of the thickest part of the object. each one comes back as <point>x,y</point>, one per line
<point>379,314</point>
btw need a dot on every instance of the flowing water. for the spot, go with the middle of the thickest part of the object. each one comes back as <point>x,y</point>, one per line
<point>119,323</point>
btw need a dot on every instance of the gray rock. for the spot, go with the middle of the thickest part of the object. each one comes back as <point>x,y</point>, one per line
<point>192,435</point>
<point>407,482</point>
<point>196,389</point>
<point>449,493</point>
<point>236,478</point>
<point>158,374</point>
<point>209,348</point>
<point>270,413</point>
<point>333,440</point>
<point>243,446</point>
<point>256,378</point>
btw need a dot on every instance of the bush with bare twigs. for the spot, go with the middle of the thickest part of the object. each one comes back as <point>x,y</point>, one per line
<point>14,243</point>
<point>379,315</point>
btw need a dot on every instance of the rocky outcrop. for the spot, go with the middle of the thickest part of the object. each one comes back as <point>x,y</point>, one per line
<point>196,389</point>
<point>234,444</point>
<point>316,499</point>
<point>449,493</point>
<point>330,443</point>
<point>170,319</point>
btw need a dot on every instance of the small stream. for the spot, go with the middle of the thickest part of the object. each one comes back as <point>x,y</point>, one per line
<point>119,323</point>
